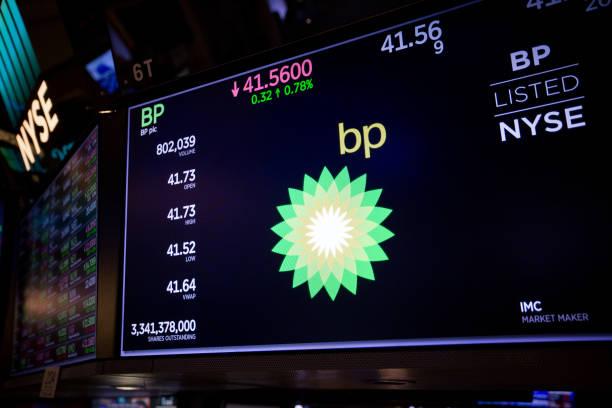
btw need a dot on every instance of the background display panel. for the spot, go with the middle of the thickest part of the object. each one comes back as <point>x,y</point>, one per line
<point>57,268</point>
<point>440,181</point>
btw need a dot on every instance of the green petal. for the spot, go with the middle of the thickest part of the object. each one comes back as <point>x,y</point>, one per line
<point>359,254</point>
<point>326,179</point>
<point>380,234</point>
<point>376,253</point>
<point>296,196</point>
<point>364,270</point>
<point>337,270</point>
<point>282,229</point>
<point>349,264</point>
<point>296,249</point>
<point>358,185</point>
<point>282,247</point>
<point>349,281</point>
<point>379,214</point>
<point>370,198</point>
<point>365,240</point>
<point>299,277</point>
<point>362,213</point>
<point>332,286</point>
<point>286,211</point>
<point>288,264</point>
<point>313,272</point>
<point>343,179</point>
<point>355,200</point>
<point>314,285</point>
<point>368,226</point>
<point>310,185</point>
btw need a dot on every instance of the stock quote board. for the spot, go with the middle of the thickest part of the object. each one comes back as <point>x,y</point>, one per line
<point>55,314</point>
<point>440,179</point>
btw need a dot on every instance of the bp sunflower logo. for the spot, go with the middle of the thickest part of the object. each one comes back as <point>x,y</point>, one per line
<point>330,233</point>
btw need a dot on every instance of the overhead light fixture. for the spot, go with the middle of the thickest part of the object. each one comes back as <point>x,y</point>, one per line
<point>127,388</point>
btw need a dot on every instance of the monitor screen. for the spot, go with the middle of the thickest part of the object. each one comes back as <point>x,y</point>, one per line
<point>102,70</point>
<point>439,179</point>
<point>122,402</point>
<point>541,399</point>
<point>55,320</point>
<point>169,401</point>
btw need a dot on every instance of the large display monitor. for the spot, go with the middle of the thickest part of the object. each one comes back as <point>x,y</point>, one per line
<point>438,177</point>
<point>55,321</point>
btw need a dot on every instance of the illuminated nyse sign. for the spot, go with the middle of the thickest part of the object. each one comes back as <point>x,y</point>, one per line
<point>35,129</point>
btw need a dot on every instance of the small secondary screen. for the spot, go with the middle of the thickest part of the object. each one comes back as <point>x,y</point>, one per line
<point>55,320</point>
